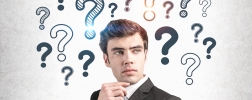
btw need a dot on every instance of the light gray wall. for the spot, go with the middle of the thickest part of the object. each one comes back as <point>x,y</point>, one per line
<point>226,76</point>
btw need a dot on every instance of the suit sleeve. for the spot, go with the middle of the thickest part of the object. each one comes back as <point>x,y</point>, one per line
<point>95,95</point>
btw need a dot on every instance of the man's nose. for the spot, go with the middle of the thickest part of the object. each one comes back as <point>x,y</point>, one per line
<point>128,58</point>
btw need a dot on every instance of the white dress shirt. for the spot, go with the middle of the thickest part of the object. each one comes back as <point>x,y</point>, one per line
<point>132,88</point>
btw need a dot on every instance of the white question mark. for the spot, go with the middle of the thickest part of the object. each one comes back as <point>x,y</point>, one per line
<point>193,67</point>
<point>147,11</point>
<point>205,7</point>
<point>42,19</point>
<point>61,46</point>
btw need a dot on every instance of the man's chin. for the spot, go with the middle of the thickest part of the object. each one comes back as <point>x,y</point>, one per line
<point>130,79</point>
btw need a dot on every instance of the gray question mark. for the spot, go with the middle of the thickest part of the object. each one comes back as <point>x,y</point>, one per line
<point>183,5</point>
<point>68,75</point>
<point>198,32</point>
<point>43,18</point>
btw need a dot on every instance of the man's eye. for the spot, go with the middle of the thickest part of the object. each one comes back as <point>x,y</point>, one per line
<point>136,51</point>
<point>118,52</point>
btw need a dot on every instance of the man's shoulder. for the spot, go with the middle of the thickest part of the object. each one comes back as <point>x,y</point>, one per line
<point>160,94</point>
<point>95,95</point>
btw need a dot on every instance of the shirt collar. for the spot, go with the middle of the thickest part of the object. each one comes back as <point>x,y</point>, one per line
<point>132,88</point>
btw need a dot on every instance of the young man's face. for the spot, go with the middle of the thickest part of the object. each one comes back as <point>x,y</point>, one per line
<point>126,57</point>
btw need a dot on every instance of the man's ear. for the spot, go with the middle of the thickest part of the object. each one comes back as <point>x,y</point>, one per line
<point>145,53</point>
<point>105,58</point>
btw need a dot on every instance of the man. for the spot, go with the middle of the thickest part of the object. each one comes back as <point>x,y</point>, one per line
<point>124,44</point>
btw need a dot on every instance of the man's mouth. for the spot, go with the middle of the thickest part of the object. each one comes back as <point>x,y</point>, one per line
<point>129,71</point>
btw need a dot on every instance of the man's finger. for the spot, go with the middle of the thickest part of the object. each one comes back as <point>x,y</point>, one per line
<point>118,87</point>
<point>124,84</point>
<point>118,98</point>
<point>118,93</point>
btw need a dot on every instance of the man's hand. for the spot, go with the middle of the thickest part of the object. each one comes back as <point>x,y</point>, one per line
<point>113,91</point>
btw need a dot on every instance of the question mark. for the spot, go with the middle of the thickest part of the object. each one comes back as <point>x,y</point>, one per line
<point>169,43</point>
<point>68,75</point>
<point>115,7</point>
<point>48,51</point>
<point>210,47</point>
<point>198,32</point>
<point>154,15</point>
<point>183,5</point>
<point>92,14</point>
<point>193,67</point>
<point>169,9</point>
<point>127,9</point>
<point>60,7</point>
<point>61,46</point>
<point>42,19</point>
<point>205,7</point>
<point>88,62</point>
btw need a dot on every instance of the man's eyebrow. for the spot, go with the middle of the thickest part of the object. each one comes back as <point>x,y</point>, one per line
<point>118,48</point>
<point>138,46</point>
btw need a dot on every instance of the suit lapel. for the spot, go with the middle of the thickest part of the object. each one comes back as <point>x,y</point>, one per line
<point>142,91</point>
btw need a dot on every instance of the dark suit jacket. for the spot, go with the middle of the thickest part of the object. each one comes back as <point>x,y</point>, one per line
<point>147,91</point>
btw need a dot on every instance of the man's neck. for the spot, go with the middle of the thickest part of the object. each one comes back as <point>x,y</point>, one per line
<point>138,80</point>
<point>133,87</point>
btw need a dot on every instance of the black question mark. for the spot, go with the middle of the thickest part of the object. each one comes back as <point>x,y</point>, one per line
<point>115,7</point>
<point>68,75</point>
<point>198,32</point>
<point>169,43</point>
<point>48,51</point>
<point>60,7</point>
<point>88,62</point>
<point>210,47</point>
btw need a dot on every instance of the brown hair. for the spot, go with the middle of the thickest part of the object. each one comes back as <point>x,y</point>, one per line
<point>121,28</point>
